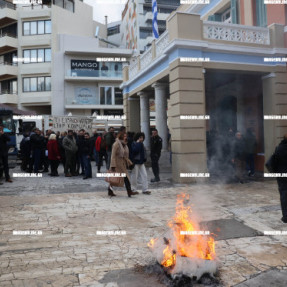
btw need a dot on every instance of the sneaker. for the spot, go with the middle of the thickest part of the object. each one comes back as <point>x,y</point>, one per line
<point>68,175</point>
<point>155,180</point>
<point>9,180</point>
<point>147,192</point>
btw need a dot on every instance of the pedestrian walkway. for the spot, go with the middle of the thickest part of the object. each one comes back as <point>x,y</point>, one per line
<point>73,250</point>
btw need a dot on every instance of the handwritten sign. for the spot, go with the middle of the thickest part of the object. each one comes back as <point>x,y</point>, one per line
<point>72,123</point>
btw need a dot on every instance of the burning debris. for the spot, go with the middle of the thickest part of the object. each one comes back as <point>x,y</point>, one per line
<point>185,251</point>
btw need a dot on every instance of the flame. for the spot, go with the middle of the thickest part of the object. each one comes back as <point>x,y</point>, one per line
<point>192,246</point>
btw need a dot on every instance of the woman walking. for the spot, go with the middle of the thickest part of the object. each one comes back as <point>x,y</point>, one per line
<point>53,154</point>
<point>139,158</point>
<point>120,162</point>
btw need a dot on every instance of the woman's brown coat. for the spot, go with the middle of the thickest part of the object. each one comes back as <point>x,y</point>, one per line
<point>118,162</point>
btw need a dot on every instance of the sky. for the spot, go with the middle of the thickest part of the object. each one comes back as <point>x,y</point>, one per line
<point>112,8</point>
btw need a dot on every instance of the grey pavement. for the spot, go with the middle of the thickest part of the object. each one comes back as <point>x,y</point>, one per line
<point>70,211</point>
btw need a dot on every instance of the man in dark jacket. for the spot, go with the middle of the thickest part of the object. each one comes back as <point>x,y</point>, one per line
<point>155,152</point>
<point>37,144</point>
<point>25,147</point>
<point>87,153</point>
<point>71,148</point>
<point>110,139</point>
<point>94,139</point>
<point>250,148</point>
<point>4,138</point>
<point>280,166</point>
<point>239,157</point>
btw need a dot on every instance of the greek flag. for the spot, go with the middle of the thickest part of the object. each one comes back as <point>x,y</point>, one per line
<point>154,19</point>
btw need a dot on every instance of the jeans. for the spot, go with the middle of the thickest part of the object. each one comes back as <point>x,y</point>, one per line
<point>87,163</point>
<point>80,162</point>
<point>139,170</point>
<point>37,159</point>
<point>96,156</point>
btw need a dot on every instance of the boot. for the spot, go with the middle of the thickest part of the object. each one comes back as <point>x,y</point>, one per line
<point>130,192</point>
<point>111,193</point>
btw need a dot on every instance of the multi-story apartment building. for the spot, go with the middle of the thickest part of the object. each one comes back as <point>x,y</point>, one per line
<point>137,22</point>
<point>28,43</point>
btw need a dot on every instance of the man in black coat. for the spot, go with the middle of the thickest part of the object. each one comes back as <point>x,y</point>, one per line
<point>4,138</point>
<point>87,153</point>
<point>155,152</point>
<point>37,144</point>
<point>280,166</point>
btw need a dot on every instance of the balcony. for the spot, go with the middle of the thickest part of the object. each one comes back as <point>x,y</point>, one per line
<point>8,70</point>
<point>8,42</point>
<point>36,98</point>
<point>8,13</point>
<point>6,97</point>
<point>31,11</point>
<point>86,75</point>
<point>221,33</point>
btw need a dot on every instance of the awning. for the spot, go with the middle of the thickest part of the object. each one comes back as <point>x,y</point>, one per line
<point>16,111</point>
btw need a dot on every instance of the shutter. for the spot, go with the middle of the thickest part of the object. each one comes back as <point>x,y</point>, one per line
<point>234,12</point>
<point>261,13</point>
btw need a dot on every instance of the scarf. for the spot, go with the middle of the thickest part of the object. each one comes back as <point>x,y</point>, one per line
<point>123,151</point>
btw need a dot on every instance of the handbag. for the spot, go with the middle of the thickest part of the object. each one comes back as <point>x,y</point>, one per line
<point>114,181</point>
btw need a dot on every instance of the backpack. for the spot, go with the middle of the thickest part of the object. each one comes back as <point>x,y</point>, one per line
<point>103,145</point>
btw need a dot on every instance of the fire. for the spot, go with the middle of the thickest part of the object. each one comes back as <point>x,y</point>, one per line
<point>185,245</point>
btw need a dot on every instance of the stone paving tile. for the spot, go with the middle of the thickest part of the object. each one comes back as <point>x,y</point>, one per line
<point>70,253</point>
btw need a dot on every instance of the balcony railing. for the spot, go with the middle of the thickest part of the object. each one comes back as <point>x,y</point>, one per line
<point>8,35</point>
<point>94,74</point>
<point>212,31</point>
<point>236,33</point>
<point>4,4</point>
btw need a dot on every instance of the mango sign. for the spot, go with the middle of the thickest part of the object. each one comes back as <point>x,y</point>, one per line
<point>63,124</point>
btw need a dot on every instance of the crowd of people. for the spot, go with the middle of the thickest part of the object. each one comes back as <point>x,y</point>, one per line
<point>44,152</point>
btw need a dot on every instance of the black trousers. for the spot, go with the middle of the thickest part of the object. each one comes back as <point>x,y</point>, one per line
<point>154,165</point>
<point>4,160</point>
<point>54,167</point>
<point>127,184</point>
<point>283,201</point>
<point>101,156</point>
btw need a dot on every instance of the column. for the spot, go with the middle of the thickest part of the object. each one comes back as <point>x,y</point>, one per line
<point>133,114</point>
<point>145,117</point>
<point>161,112</point>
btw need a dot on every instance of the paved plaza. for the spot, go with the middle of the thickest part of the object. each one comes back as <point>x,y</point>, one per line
<point>70,211</point>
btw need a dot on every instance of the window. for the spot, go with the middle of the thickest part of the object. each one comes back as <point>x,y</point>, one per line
<point>33,56</point>
<point>41,84</point>
<point>37,56</point>
<point>33,28</point>
<point>118,96</point>
<point>33,84</point>
<point>226,16</point>
<point>47,55</point>
<point>48,28</point>
<point>26,84</point>
<point>26,28</point>
<point>106,95</point>
<point>37,84</point>
<point>37,27</point>
<point>41,27</point>
<point>41,55</point>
